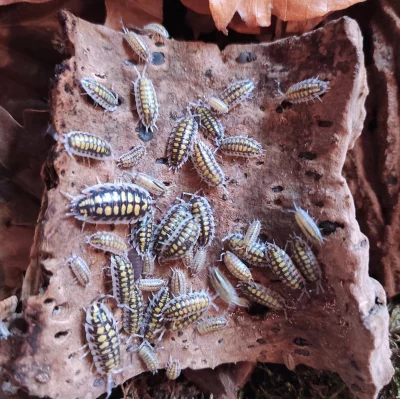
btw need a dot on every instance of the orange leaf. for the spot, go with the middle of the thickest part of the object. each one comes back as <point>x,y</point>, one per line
<point>222,12</point>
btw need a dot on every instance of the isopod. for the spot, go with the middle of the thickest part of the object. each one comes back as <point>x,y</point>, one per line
<point>237,267</point>
<point>107,242</point>
<point>201,210</point>
<point>252,233</point>
<point>206,166</point>
<point>144,235</point>
<point>148,356</point>
<point>304,91</point>
<point>151,184</point>
<point>151,284</point>
<point>137,44</point>
<point>306,261</point>
<point>80,269</point>
<point>224,289</point>
<point>132,157</point>
<point>148,264</point>
<point>99,94</point>
<point>103,340</point>
<point>177,325</point>
<point>173,369</point>
<point>198,262</point>
<point>111,203</point>
<point>308,225</point>
<point>211,324</point>
<point>217,105</point>
<point>122,278</point>
<point>181,141</point>
<point>211,124</point>
<point>156,31</point>
<point>86,145</point>
<point>132,315</point>
<point>237,92</point>
<point>178,282</point>
<point>240,146</point>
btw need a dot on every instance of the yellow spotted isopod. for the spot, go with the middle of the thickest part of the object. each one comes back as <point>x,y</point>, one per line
<point>304,91</point>
<point>132,157</point>
<point>99,94</point>
<point>237,92</point>
<point>240,146</point>
<point>108,242</point>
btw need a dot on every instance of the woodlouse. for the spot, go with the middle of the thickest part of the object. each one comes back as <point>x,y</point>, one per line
<point>150,284</point>
<point>224,289</point>
<point>152,322</point>
<point>308,225</point>
<point>156,31</point>
<point>236,266</point>
<point>201,210</point>
<point>185,305</point>
<point>237,92</point>
<point>217,105</point>
<point>304,258</point>
<point>146,101</point>
<point>80,269</point>
<point>100,94</point>
<point>211,325</point>
<point>108,242</point>
<point>87,145</point>
<point>144,234</point>
<point>283,267</point>
<point>254,255</point>
<point>211,124</point>
<point>132,157</point>
<point>181,141</point>
<point>111,203</point>
<point>103,340</point>
<point>137,44</point>
<point>240,146</point>
<point>173,369</point>
<point>122,278</point>
<point>252,233</point>
<point>263,295</point>
<point>148,356</point>
<point>178,282</point>
<point>198,261</point>
<point>148,264</point>
<point>206,166</point>
<point>304,91</point>
<point>182,240</point>
<point>132,314</point>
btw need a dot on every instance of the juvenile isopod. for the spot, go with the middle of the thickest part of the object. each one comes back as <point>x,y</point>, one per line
<point>217,105</point>
<point>122,278</point>
<point>151,184</point>
<point>240,146</point>
<point>177,325</point>
<point>211,325</point>
<point>173,369</point>
<point>188,258</point>
<point>151,284</point>
<point>224,289</point>
<point>304,258</point>
<point>236,266</point>
<point>304,91</point>
<point>199,261</point>
<point>80,269</point>
<point>111,203</point>
<point>99,94</point>
<point>178,282</point>
<point>148,264</point>
<point>132,157</point>
<point>148,356</point>
<point>237,92</point>
<point>146,101</point>
<point>132,314</point>
<point>156,31</point>
<point>308,225</point>
<point>108,242</point>
<point>181,141</point>
<point>137,44</point>
<point>252,233</point>
<point>87,145</point>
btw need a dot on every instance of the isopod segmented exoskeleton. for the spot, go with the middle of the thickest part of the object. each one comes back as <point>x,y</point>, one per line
<point>80,269</point>
<point>217,105</point>
<point>148,356</point>
<point>150,284</point>
<point>137,44</point>
<point>143,234</point>
<point>108,242</point>
<point>304,258</point>
<point>201,210</point>
<point>152,322</point>
<point>173,369</point>
<point>103,340</point>
<point>156,31</point>
<point>132,314</point>
<point>198,261</point>
<point>111,203</point>
<point>283,267</point>
<point>181,142</point>
<point>132,157</point>
<point>86,145</point>
<point>170,221</point>
<point>177,325</point>
<point>252,233</point>
<point>101,95</point>
<point>211,124</point>
<point>206,166</point>
<point>224,289</point>
<point>183,306</point>
<point>211,325</point>
<point>308,225</point>
<point>304,91</point>
<point>236,266</point>
<point>240,146</point>
<point>148,264</point>
<point>237,92</point>
<point>178,282</point>
<point>263,295</point>
<point>122,278</point>
<point>146,101</point>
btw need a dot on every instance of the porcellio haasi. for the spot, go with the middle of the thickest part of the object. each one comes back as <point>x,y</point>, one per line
<point>178,282</point>
<point>173,369</point>
<point>111,203</point>
<point>144,234</point>
<point>252,233</point>
<point>308,225</point>
<point>201,210</point>
<point>108,242</point>
<point>87,145</point>
<point>150,284</point>
<point>211,325</point>
<point>148,356</point>
<point>240,146</point>
<point>156,31</point>
<point>123,280</point>
<point>137,44</point>
<point>237,92</point>
<point>177,325</point>
<point>198,262</point>
<point>132,312</point>
<point>217,105</point>
<point>304,91</point>
<point>148,264</point>
<point>132,157</point>
<point>80,269</point>
<point>236,267</point>
<point>181,142</point>
<point>100,94</point>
